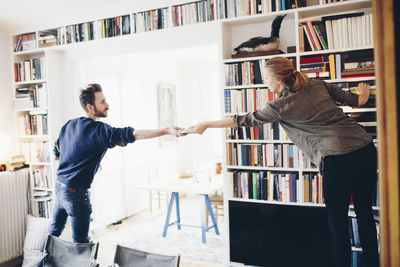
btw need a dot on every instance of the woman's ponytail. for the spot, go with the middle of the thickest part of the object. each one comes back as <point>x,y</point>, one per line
<point>301,81</point>
<point>282,69</point>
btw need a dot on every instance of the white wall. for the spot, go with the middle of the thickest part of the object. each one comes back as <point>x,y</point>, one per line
<point>7,115</point>
<point>199,98</point>
<point>130,86</point>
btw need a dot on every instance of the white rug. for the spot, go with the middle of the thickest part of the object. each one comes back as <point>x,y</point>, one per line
<point>147,235</point>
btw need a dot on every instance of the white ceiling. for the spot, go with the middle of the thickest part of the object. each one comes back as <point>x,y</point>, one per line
<point>30,15</point>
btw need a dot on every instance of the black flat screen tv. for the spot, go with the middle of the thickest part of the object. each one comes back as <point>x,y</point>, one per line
<point>279,235</point>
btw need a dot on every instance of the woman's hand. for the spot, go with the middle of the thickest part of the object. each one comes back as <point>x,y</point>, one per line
<point>363,91</point>
<point>202,126</point>
<point>198,128</point>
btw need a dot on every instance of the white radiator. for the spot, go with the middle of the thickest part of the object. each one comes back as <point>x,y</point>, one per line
<point>13,210</point>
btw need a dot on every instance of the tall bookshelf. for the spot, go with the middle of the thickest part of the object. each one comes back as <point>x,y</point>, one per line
<point>236,22</point>
<point>263,166</point>
<point>33,101</point>
<point>31,107</point>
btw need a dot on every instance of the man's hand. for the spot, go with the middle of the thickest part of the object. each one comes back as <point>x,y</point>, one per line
<point>177,131</point>
<point>363,92</point>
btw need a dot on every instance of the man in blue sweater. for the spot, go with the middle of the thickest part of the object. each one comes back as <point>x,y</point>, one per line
<point>80,147</point>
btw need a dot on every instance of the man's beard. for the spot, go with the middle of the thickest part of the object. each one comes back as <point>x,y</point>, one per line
<point>100,114</point>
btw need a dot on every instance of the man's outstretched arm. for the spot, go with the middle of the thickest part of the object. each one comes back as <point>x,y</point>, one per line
<point>147,134</point>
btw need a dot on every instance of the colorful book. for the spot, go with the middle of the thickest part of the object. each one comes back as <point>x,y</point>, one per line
<point>338,66</point>
<point>332,66</point>
<point>320,37</point>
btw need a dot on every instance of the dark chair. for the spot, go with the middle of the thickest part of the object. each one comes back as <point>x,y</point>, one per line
<point>128,257</point>
<point>60,253</point>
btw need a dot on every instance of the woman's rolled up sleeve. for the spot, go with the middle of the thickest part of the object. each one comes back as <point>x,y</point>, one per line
<point>266,115</point>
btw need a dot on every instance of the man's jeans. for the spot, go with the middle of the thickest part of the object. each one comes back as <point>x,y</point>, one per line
<point>74,203</point>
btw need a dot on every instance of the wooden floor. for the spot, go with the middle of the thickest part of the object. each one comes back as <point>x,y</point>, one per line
<point>105,255</point>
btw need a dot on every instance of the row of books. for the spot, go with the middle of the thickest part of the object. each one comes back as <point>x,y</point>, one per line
<point>277,5</point>
<point>200,11</point>
<point>267,131</point>
<point>25,42</point>
<point>349,30</point>
<point>335,32</point>
<point>41,178</point>
<point>338,66</point>
<point>245,73</point>
<point>29,70</point>
<point>48,38</point>
<point>315,36</point>
<point>191,13</point>
<point>36,151</point>
<point>117,26</point>
<point>286,187</point>
<point>282,187</point>
<point>237,8</point>
<point>32,124</point>
<point>249,100</point>
<point>34,96</point>
<point>264,155</point>
<point>76,33</point>
<point>150,20</point>
<point>42,207</point>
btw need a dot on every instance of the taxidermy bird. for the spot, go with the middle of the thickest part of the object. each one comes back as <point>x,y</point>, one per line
<point>257,44</point>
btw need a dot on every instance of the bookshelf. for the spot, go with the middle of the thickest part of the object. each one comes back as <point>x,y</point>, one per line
<point>249,180</point>
<point>33,103</point>
<point>31,107</point>
<point>234,23</point>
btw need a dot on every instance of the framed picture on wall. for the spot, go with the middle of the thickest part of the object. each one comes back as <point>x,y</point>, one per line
<point>166,110</point>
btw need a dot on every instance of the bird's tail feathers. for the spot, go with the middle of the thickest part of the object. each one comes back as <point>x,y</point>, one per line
<point>237,50</point>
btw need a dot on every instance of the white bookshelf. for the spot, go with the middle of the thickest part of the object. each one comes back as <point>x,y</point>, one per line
<point>51,106</point>
<point>279,203</point>
<point>357,110</point>
<point>236,31</point>
<point>247,86</point>
<point>358,79</point>
<point>27,139</point>
<point>277,169</point>
<point>258,58</point>
<point>333,51</point>
<point>30,81</point>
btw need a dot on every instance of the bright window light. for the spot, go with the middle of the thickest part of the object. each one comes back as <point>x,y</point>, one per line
<point>4,146</point>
